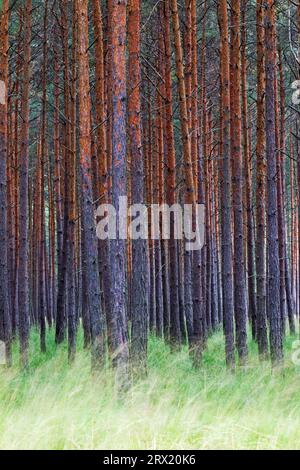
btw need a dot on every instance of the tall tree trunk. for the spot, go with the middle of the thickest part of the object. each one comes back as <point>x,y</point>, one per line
<point>262,335</point>
<point>248,177</point>
<point>281,155</point>
<point>157,183</point>
<point>100,111</point>
<point>23,274</point>
<point>5,320</point>
<point>276,344</point>
<point>140,283</point>
<point>90,255</point>
<point>71,203</point>
<point>171,181</point>
<point>240,306</point>
<point>189,197</point>
<point>203,192</point>
<point>62,305</point>
<point>197,256</point>
<point>226,237</point>
<point>42,259</point>
<point>280,201</point>
<point>117,258</point>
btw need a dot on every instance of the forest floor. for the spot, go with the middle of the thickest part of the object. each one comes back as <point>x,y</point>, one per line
<point>54,406</point>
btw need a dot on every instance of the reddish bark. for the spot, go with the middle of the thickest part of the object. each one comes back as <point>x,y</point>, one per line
<point>5,320</point>
<point>90,255</point>
<point>260,251</point>
<point>240,307</point>
<point>249,219</point>
<point>189,194</point>
<point>140,282</point>
<point>118,247</point>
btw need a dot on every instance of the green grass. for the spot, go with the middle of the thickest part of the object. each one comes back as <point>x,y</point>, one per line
<point>54,406</point>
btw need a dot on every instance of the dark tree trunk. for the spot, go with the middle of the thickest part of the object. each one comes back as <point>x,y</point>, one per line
<point>272,224</point>
<point>140,280</point>
<point>189,195</point>
<point>240,307</point>
<point>23,274</point>
<point>5,320</point>
<point>260,249</point>
<point>117,257</point>
<point>248,176</point>
<point>175,336</point>
<point>90,254</point>
<point>226,236</point>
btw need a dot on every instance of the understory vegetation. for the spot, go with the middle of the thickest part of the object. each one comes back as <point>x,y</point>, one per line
<point>55,406</point>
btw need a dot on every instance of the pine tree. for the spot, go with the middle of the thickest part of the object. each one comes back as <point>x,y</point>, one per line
<point>90,253</point>
<point>276,345</point>
<point>240,307</point>
<point>261,187</point>
<point>226,237</point>
<point>5,320</point>
<point>23,273</point>
<point>117,256</point>
<point>140,282</point>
